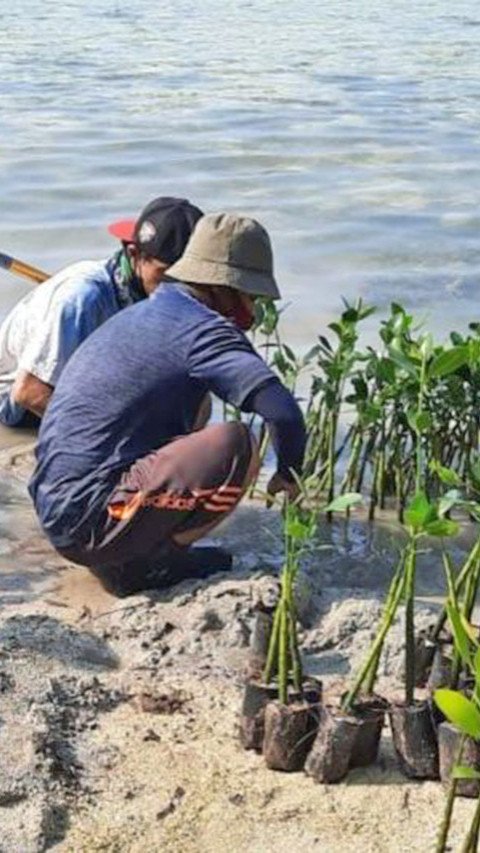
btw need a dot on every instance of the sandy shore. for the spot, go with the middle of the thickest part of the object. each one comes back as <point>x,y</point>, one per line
<point>118,717</point>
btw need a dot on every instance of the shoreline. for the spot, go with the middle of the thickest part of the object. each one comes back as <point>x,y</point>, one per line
<point>118,716</point>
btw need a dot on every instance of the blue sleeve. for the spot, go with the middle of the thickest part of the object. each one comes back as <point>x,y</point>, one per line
<point>223,359</point>
<point>277,406</point>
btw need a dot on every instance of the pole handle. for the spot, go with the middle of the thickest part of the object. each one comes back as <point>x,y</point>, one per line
<point>20,268</point>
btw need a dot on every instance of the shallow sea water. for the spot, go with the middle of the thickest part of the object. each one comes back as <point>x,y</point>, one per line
<point>351,130</point>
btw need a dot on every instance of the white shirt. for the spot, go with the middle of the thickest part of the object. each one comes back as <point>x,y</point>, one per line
<point>43,330</point>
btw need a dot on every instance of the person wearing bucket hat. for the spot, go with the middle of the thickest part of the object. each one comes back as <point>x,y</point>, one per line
<point>229,259</point>
<point>124,484</point>
<point>43,330</point>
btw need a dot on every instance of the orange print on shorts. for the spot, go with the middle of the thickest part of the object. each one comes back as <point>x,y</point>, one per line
<point>221,499</point>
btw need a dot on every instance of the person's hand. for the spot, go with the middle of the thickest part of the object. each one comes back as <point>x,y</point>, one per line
<point>277,484</point>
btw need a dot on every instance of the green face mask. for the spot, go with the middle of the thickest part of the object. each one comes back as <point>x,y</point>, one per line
<point>126,267</point>
<point>128,284</point>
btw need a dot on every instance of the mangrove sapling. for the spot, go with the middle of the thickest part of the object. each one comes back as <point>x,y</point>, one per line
<point>383,442</point>
<point>369,412</point>
<point>365,680</point>
<point>464,714</point>
<point>289,367</point>
<point>291,723</point>
<point>466,583</point>
<point>326,397</point>
<point>288,731</point>
<point>280,357</point>
<point>265,335</point>
<point>265,327</point>
<point>412,729</point>
<point>422,518</point>
<point>360,700</point>
<point>283,655</point>
<point>468,567</point>
<point>281,646</point>
<point>300,524</point>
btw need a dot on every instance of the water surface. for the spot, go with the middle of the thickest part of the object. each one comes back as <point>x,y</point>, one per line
<point>351,129</point>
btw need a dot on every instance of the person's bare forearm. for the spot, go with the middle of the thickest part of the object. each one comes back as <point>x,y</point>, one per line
<point>31,393</point>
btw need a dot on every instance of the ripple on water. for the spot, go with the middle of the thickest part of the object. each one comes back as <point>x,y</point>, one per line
<point>353,134</point>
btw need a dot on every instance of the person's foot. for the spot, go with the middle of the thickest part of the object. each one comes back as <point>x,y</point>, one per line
<point>174,565</point>
<point>194,562</point>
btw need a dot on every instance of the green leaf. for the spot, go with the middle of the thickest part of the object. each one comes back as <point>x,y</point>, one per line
<point>460,635</point>
<point>366,311</point>
<point>400,323</point>
<point>452,592</point>
<point>361,387</point>
<point>336,327</point>
<point>474,509</point>
<point>442,527</point>
<point>419,512</point>
<point>312,353</point>
<point>371,413</point>
<point>448,361</point>
<point>426,346</point>
<point>350,315</point>
<point>403,362</point>
<point>470,631</point>
<point>476,662</point>
<point>420,421</point>
<point>297,523</point>
<point>446,475</point>
<point>344,502</point>
<point>296,529</point>
<point>461,771</point>
<point>280,362</point>
<point>475,473</point>
<point>386,370</point>
<point>325,342</point>
<point>289,353</point>
<point>460,711</point>
<point>448,501</point>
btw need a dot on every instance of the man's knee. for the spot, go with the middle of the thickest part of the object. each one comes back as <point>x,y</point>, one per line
<point>241,446</point>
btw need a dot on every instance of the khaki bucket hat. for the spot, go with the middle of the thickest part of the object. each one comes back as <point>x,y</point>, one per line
<point>230,250</point>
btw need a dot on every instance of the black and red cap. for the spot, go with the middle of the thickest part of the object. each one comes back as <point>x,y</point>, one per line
<point>162,230</point>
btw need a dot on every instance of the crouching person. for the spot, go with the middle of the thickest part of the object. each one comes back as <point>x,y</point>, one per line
<point>125,480</point>
<point>49,324</point>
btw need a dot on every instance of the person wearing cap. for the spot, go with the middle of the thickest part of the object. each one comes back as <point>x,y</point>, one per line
<point>123,484</point>
<point>43,330</point>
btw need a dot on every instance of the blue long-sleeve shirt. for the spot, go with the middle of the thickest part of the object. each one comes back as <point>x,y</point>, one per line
<point>135,384</point>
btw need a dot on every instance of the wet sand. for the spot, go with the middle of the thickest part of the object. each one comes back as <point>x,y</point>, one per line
<point>118,717</point>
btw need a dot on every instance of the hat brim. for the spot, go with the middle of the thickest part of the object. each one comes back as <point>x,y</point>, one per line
<point>123,230</point>
<point>199,271</point>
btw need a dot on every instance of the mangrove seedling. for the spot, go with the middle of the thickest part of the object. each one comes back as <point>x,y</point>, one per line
<point>284,660</point>
<point>464,713</point>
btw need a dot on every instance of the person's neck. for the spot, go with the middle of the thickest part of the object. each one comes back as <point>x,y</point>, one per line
<point>203,294</point>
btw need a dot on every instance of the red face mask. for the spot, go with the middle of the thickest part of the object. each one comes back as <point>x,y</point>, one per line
<point>238,308</point>
<point>242,314</point>
<point>243,317</point>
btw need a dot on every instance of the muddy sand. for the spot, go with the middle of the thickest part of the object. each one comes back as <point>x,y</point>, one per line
<point>118,717</point>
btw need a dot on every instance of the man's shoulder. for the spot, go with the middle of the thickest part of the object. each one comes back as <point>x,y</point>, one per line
<point>83,279</point>
<point>175,299</point>
<point>174,304</point>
